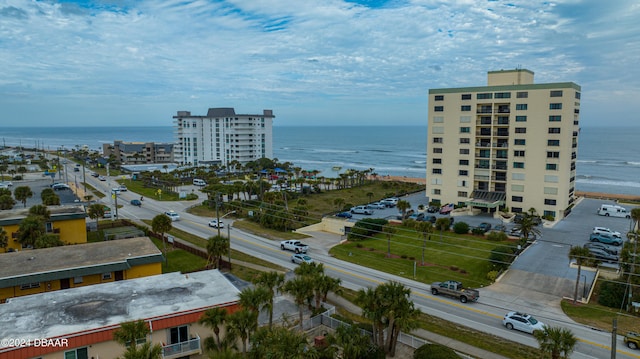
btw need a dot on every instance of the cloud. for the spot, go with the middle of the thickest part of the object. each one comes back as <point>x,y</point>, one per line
<point>328,61</point>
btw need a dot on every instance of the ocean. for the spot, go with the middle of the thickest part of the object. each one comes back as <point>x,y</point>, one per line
<point>606,159</point>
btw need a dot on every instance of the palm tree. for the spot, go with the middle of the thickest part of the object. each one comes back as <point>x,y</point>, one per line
<point>352,342</point>
<point>144,351</point>
<point>526,227</point>
<point>368,300</point>
<point>582,255</point>
<point>425,228</point>
<point>254,299</point>
<point>40,210</point>
<point>399,312</point>
<point>279,343</point>
<point>273,281</point>
<point>162,223</point>
<point>213,318</point>
<point>242,324</point>
<point>216,247</point>
<point>388,230</point>
<point>23,193</point>
<point>130,332</point>
<point>31,228</point>
<point>635,217</point>
<point>4,239</point>
<point>557,343</point>
<point>301,288</point>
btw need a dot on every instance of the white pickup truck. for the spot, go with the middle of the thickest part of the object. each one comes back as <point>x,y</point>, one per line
<point>294,245</point>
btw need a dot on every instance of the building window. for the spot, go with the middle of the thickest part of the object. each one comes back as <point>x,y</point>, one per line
<point>465,129</point>
<point>578,95</point>
<point>438,98</point>
<point>484,96</point>
<point>462,194</point>
<point>550,214</point>
<point>553,142</point>
<point>463,173</point>
<point>30,286</point>
<point>464,151</point>
<point>436,161</point>
<point>550,190</point>
<point>466,96</point>
<point>519,141</point>
<point>551,178</point>
<point>437,150</point>
<point>553,154</point>
<point>178,334</point>
<point>551,167</point>
<point>554,129</point>
<point>518,176</point>
<point>464,140</point>
<point>436,181</point>
<point>436,171</point>
<point>523,94</point>
<point>465,108</point>
<point>556,93</point>
<point>437,140</point>
<point>438,119</point>
<point>518,165</point>
<point>521,118</point>
<point>555,118</point>
<point>435,191</point>
<point>517,188</point>
<point>555,106</point>
<point>462,183</point>
<point>521,106</point>
<point>516,198</point>
<point>77,280</point>
<point>438,109</point>
<point>521,130</point>
<point>550,202</point>
<point>78,353</point>
<point>106,276</point>
<point>503,95</point>
<point>518,153</point>
<point>463,162</point>
<point>465,119</point>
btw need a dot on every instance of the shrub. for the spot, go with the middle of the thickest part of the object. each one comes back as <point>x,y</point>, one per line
<point>461,228</point>
<point>359,245</point>
<point>492,276</point>
<point>501,257</point>
<point>435,351</point>
<point>477,231</point>
<point>453,268</point>
<point>612,294</point>
<point>404,256</point>
<point>412,258</point>
<point>497,236</point>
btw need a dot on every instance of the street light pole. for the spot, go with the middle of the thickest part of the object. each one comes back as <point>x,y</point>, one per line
<point>229,238</point>
<point>584,286</point>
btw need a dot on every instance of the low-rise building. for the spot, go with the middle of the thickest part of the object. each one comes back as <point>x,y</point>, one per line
<point>68,222</point>
<point>51,269</point>
<point>80,322</point>
<point>139,152</point>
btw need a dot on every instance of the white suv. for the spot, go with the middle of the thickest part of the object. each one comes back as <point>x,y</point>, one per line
<point>604,230</point>
<point>173,215</point>
<point>361,210</point>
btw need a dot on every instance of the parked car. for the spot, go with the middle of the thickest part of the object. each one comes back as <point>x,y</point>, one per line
<point>344,215</point>
<point>173,215</point>
<point>605,247</point>
<point>390,202</point>
<point>376,205</point>
<point>122,188</point>
<point>361,210</point>
<point>518,218</point>
<point>216,224</point>
<point>300,258</point>
<point>485,227</point>
<point>599,230</point>
<point>447,208</point>
<point>417,216</point>
<point>431,218</point>
<point>136,202</point>
<point>433,209</point>
<point>517,233</point>
<point>93,174</point>
<point>102,178</point>
<point>521,321</point>
<point>605,238</point>
<point>500,228</point>
<point>603,255</point>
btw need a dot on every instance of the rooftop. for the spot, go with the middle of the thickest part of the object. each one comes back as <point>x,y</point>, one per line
<point>36,265</point>
<point>57,212</point>
<point>81,309</point>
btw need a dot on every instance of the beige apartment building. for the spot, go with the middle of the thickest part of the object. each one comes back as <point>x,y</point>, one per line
<point>511,144</point>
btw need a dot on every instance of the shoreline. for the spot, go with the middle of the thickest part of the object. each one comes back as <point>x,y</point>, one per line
<point>585,194</point>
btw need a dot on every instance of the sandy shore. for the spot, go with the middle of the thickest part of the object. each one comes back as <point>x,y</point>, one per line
<point>599,195</point>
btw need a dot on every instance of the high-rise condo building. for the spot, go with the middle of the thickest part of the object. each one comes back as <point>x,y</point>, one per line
<point>512,143</point>
<point>222,137</point>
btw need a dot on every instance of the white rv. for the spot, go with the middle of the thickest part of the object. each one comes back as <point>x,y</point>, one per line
<point>611,210</point>
<point>199,182</point>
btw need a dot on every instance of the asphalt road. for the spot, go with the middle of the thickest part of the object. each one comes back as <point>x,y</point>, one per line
<point>484,315</point>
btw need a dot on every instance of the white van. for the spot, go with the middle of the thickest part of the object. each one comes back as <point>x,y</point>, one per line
<point>199,182</point>
<point>611,210</point>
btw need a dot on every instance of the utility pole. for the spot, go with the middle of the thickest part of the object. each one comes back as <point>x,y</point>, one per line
<point>614,334</point>
<point>229,238</point>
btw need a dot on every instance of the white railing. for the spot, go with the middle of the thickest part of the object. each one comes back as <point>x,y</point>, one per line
<point>191,346</point>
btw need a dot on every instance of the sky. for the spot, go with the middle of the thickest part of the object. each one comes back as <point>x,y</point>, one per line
<point>313,62</point>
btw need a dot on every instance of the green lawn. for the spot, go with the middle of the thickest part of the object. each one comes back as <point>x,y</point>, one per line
<point>601,317</point>
<point>448,256</point>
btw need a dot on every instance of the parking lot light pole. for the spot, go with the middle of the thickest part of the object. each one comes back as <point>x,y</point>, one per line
<point>584,286</point>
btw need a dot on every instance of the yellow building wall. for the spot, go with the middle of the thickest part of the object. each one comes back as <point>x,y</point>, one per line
<point>144,270</point>
<point>71,231</point>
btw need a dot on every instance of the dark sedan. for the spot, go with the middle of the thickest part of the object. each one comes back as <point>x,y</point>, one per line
<point>136,202</point>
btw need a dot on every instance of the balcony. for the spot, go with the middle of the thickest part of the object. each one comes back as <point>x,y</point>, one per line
<point>182,349</point>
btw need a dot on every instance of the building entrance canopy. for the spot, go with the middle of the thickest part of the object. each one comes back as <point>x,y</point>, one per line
<point>486,199</point>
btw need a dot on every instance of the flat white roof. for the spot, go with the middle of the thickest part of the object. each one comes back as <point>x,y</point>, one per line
<point>62,312</point>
